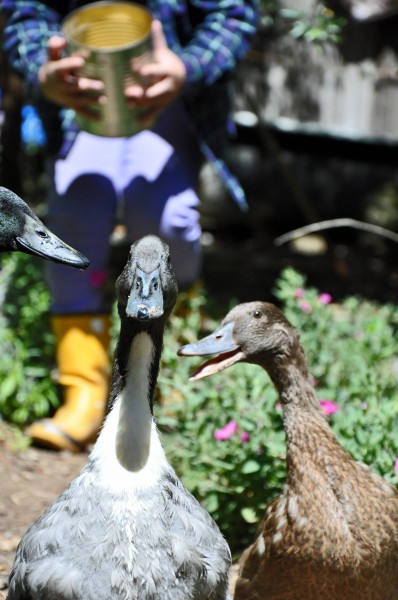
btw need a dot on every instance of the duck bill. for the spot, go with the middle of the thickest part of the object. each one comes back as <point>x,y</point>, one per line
<point>36,239</point>
<point>219,343</point>
<point>146,297</point>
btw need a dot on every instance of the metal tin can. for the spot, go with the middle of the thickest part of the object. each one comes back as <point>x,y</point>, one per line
<point>110,35</point>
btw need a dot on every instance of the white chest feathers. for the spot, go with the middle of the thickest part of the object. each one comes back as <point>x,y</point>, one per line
<point>128,451</point>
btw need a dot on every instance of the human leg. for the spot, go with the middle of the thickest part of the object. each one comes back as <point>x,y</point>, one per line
<point>82,207</point>
<point>82,356</point>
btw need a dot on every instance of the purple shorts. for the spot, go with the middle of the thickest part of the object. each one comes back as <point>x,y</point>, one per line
<point>147,182</point>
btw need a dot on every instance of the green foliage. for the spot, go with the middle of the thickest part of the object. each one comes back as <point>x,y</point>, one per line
<point>320,25</point>
<point>26,343</point>
<point>350,348</point>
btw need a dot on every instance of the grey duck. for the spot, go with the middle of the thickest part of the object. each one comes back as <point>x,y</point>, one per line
<point>126,527</point>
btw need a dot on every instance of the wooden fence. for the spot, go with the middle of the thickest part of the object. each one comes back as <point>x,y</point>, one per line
<point>295,84</point>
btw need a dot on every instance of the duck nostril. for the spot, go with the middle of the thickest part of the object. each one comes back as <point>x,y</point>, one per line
<point>143,313</point>
<point>41,233</point>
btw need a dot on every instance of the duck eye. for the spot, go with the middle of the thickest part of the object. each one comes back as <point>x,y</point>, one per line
<point>258,314</point>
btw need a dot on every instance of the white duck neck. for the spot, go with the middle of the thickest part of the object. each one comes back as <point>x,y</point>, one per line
<point>133,436</point>
<point>129,442</point>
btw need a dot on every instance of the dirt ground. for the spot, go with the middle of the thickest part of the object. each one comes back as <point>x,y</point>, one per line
<point>233,268</point>
<point>30,481</point>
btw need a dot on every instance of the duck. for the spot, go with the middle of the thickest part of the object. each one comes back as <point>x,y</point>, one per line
<point>21,230</point>
<point>126,527</point>
<point>332,534</point>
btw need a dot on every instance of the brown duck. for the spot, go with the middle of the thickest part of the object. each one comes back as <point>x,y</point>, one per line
<point>333,532</point>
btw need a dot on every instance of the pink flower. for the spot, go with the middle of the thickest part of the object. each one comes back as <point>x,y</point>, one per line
<point>244,436</point>
<point>227,431</point>
<point>97,278</point>
<point>278,406</point>
<point>396,464</point>
<point>329,407</point>
<point>325,298</point>
<point>299,293</point>
<point>305,306</point>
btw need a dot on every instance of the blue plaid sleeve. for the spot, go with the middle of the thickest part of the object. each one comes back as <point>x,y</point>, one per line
<point>27,29</point>
<point>220,40</point>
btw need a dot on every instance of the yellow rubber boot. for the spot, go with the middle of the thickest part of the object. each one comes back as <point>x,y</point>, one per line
<point>84,371</point>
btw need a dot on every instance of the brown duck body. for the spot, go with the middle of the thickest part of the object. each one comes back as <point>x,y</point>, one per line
<point>333,532</point>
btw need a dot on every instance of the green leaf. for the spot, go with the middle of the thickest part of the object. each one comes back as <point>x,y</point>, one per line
<point>250,466</point>
<point>249,514</point>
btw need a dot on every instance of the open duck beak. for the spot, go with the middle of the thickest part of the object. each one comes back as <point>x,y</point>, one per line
<point>146,297</point>
<point>38,240</point>
<point>222,344</point>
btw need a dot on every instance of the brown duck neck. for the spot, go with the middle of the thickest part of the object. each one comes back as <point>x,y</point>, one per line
<point>310,442</point>
<point>292,379</point>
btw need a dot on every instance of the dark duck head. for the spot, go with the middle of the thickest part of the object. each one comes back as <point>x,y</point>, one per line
<point>333,532</point>
<point>127,527</point>
<point>21,229</point>
<point>147,289</point>
<point>146,293</point>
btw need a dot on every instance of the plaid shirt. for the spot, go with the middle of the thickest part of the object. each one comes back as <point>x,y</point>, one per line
<point>210,36</point>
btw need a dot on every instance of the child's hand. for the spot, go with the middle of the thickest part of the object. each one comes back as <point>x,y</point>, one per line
<point>164,77</point>
<point>61,83</point>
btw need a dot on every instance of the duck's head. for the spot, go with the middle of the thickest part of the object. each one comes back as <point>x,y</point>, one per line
<point>147,288</point>
<point>254,332</point>
<point>21,229</point>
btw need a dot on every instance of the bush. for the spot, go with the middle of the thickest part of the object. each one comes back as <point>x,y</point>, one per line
<point>27,391</point>
<point>350,348</point>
